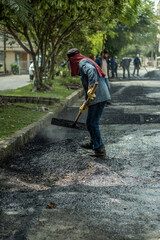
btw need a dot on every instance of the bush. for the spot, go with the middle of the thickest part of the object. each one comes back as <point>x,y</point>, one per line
<point>14,68</point>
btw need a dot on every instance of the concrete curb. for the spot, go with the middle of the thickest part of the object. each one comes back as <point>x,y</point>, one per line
<point>12,144</point>
<point>43,100</point>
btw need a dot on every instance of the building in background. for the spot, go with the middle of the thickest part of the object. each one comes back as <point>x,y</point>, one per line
<point>11,52</point>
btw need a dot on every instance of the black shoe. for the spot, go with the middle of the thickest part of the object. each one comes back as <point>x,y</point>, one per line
<point>88,145</point>
<point>109,102</point>
<point>100,152</point>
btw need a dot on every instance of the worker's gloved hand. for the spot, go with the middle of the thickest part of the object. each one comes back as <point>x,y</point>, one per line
<point>90,94</point>
<point>82,108</point>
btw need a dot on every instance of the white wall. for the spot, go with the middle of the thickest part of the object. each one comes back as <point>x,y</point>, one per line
<point>10,58</point>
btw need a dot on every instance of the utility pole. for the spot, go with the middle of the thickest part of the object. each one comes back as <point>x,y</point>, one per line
<point>4,42</point>
<point>156,54</point>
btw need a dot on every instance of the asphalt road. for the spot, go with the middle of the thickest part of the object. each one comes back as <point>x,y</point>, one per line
<point>117,198</point>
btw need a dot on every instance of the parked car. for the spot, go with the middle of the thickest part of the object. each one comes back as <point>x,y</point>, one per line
<point>31,71</point>
<point>31,68</point>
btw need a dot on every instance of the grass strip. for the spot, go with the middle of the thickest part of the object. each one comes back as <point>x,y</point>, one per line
<point>59,91</point>
<point>13,118</point>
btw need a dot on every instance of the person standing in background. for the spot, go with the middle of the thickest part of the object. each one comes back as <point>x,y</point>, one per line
<point>125,64</point>
<point>137,64</point>
<point>116,66</point>
<point>103,62</point>
<point>112,66</point>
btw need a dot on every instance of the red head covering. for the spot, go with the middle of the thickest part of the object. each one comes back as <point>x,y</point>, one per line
<point>74,64</point>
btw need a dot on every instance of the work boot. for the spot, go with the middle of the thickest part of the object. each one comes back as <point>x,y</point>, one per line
<point>100,152</point>
<point>108,102</point>
<point>88,145</point>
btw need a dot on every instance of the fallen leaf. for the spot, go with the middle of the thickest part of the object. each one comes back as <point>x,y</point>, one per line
<point>66,176</point>
<point>90,165</point>
<point>153,181</point>
<point>124,153</point>
<point>42,189</point>
<point>29,179</point>
<point>87,137</point>
<point>51,205</point>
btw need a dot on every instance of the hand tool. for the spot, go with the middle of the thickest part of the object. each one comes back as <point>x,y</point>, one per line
<point>71,124</point>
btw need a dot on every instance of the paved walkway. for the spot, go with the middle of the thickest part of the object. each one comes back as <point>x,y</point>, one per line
<point>13,82</point>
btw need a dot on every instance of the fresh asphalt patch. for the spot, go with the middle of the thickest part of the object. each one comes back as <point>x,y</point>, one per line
<point>117,198</point>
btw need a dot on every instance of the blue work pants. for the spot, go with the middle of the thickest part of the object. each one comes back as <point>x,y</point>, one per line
<point>94,114</point>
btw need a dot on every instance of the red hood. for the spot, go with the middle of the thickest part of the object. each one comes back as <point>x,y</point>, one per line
<point>74,65</point>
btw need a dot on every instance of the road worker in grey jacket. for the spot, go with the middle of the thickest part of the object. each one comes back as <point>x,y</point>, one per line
<point>90,73</point>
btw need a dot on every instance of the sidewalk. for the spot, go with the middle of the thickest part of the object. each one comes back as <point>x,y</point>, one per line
<point>11,82</point>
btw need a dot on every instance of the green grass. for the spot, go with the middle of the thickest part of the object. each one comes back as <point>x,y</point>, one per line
<point>14,118</point>
<point>59,91</point>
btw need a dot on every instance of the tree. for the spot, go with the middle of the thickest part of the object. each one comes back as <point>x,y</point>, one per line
<point>41,27</point>
<point>142,32</point>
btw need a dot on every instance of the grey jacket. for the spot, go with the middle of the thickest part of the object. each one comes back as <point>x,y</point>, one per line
<point>89,76</point>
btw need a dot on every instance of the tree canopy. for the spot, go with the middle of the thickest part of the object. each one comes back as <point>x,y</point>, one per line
<point>142,32</point>
<point>45,27</point>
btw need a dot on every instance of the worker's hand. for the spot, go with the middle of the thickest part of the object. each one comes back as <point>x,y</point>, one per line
<point>90,94</point>
<point>83,108</point>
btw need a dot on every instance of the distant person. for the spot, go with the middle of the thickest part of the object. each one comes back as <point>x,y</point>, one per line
<point>137,64</point>
<point>112,66</point>
<point>125,64</point>
<point>104,64</point>
<point>116,66</point>
<point>108,66</point>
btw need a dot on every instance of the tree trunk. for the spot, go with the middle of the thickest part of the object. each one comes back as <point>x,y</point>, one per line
<point>38,74</point>
<point>38,77</point>
<point>5,65</point>
<point>52,65</point>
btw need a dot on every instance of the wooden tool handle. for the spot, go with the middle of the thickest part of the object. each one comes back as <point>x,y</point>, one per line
<point>86,103</point>
<point>93,91</point>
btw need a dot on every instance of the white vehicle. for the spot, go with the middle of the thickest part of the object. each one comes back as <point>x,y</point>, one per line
<point>31,71</point>
<point>31,67</point>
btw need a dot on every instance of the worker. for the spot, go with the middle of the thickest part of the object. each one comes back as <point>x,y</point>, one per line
<point>90,73</point>
<point>137,64</point>
<point>104,62</point>
<point>125,64</point>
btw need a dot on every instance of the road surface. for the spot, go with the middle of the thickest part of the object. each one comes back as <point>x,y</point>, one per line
<point>117,198</point>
